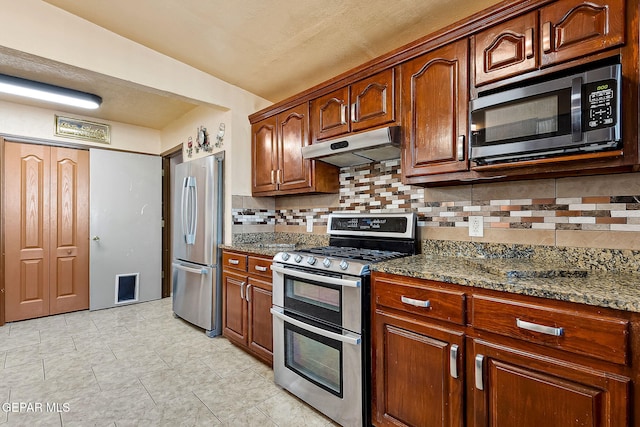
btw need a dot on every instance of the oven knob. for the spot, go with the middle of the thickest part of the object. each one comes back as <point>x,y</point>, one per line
<point>311,260</point>
<point>326,262</point>
<point>285,256</point>
<point>344,264</point>
<point>297,258</point>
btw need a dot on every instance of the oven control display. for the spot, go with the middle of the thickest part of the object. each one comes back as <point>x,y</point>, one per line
<point>375,224</point>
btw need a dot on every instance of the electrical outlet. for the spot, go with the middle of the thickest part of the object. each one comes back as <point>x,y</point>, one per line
<point>476,226</point>
<point>309,224</point>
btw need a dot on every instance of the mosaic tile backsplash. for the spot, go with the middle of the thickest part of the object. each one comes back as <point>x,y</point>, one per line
<point>378,187</point>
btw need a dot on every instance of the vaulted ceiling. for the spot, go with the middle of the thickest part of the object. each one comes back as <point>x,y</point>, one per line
<point>273,49</point>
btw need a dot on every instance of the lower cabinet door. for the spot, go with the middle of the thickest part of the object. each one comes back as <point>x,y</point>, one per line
<point>515,388</point>
<point>418,373</point>
<point>260,320</point>
<point>234,307</point>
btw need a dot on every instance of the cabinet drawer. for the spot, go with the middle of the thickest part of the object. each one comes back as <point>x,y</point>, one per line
<point>234,260</point>
<point>598,336</point>
<point>260,266</point>
<point>421,299</point>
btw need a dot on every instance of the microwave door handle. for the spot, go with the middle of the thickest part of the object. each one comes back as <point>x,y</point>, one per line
<point>576,109</point>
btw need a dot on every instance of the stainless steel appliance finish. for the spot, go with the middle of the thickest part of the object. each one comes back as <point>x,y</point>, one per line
<point>321,312</point>
<point>197,232</point>
<point>570,114</point>
<point>357,149</point>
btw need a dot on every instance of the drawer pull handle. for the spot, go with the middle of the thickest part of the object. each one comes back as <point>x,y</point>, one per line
<point>415,302</point>
<point>453,361</point>
<point>234,261</point>
<point>534,327</point>
<point>479,372</point>
<point>261,268</point>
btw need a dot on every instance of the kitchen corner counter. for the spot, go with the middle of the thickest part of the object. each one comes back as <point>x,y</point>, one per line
<point>266,249</point>
<point>564,282</point>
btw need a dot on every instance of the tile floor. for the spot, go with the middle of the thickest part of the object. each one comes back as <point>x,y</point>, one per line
<point>135,365</point>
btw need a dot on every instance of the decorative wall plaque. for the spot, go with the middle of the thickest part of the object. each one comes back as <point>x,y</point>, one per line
<point>83,129</point>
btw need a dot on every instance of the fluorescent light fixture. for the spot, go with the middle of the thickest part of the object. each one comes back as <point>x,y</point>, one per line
<point>46,92</point>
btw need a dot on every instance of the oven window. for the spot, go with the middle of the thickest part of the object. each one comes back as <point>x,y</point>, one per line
<point>314,357</point>
<point>319,300</point>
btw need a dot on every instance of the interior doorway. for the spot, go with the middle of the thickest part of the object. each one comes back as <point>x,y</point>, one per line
<point>170,159</point>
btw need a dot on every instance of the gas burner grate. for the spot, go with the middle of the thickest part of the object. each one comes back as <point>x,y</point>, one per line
<point>370,255</point>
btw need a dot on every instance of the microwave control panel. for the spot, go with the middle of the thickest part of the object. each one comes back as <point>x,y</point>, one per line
<point>600,105</point>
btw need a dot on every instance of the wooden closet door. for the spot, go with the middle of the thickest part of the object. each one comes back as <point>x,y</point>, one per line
<point>26,211</point>
<point>69,225</point>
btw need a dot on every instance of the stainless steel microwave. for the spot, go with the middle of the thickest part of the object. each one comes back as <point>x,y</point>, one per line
<point>565,115</point>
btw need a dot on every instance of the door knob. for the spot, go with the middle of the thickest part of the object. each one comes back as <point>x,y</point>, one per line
<point>96,238</point>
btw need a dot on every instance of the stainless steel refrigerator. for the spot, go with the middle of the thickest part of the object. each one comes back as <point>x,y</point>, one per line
<point>197,232</point>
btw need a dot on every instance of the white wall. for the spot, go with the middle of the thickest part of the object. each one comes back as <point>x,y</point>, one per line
<point>39,123</point>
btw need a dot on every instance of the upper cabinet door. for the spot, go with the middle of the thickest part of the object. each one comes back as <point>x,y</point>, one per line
<point>373,101</point>
<point>435,100</point>
<point>365,104</point>
<point>331,114</point>
<point>264,155</point>
<point>506,50</point>
<point>293,134</point>
<point>575,28</point>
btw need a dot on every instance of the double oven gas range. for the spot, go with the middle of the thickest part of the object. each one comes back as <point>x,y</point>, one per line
<point>321,312</point>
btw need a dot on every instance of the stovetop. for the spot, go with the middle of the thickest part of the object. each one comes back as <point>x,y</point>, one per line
<point>360,254</point>
<point>356,241</point>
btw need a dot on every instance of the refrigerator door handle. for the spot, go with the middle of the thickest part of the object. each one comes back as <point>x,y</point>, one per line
<point>192,209</point>
<point>190,269</point>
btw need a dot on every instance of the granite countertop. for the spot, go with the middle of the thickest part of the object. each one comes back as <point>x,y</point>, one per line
<point>267,249</point>
<point>565,282</point>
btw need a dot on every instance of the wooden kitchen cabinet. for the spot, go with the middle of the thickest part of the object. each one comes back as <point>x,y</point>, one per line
<point>246,296</point>
<point>277,163</point>
<point>507,49</point>
<point>519,361</point>
<point>435,99</point>
<point>574,28</point>
<point>512,387</point>
<point>418,363</point>
<point>562,31</point>
<point>368,103</point>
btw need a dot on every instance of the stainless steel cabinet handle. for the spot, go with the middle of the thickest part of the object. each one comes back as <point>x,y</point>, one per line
<point>242,290</point>
<point>273,176</point>
<point>534,327</point>
<point>460,147</point>
<point>479,372</point>
<point>354,119</point>
<point>453,361</point>
<point>576,109</point>
<point>528,43</point>
<point>343,114</point>
<point>246,295</point>
<point>546,37</point>
<point>261,268</point>
<point>234,261</point>
<point>415,302</point>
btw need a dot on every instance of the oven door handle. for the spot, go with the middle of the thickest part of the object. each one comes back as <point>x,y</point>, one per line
<point>347,338</point>
<point>353,283</point>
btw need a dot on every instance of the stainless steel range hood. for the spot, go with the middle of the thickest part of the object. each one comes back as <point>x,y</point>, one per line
<point>357,149</point>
